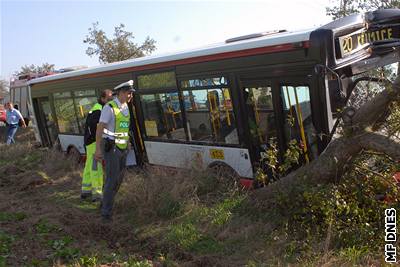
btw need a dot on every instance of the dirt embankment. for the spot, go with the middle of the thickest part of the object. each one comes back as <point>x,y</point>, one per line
<point>44,222</point>
<point>42,219</point>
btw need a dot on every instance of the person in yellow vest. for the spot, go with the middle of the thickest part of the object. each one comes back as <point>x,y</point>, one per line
<point>112,142</point>
<point>92,179</point>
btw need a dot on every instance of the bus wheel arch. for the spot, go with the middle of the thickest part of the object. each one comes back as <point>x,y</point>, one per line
<point>224,173</point>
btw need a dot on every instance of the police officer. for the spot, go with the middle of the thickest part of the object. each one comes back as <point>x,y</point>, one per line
<point>112,140</point>
<point>92,178</point>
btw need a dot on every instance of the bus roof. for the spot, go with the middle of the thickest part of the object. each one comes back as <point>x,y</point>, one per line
<point>277,41</point>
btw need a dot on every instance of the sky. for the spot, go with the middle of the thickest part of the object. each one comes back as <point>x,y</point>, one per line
<point>36,32</point>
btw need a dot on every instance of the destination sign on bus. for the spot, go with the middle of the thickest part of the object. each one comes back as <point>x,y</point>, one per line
<point>353,42</point>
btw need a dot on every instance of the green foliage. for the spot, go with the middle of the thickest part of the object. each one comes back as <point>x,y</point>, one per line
<point>185,235</point>
<point>63,250</point>
<point>5,247</point>
<point>168,206</point>
<point>133,262</point>
<point>39,263</point>
<point>26,69</point>
<point>119,48</point>
<point>30,160</point>
<point>222,212</point>
<point>188,237</point>
<point>353,254</point>
<point>12,216</point>
<point>195,233</point>
<point>291,156</point>
<point>86,261</point>
<point>44,227</point>
<point>342,8</point>
<point>392,124</point>
<point>347,217</point>
<point>270,162</point>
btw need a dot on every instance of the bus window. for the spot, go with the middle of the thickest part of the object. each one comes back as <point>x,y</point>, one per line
<point>162,116</point>
<point>261,117</point>
<point>210,116</point>
<point>65,112</point>
<point>298,124</point>
<point>83,106</point>
<point>84,101</point>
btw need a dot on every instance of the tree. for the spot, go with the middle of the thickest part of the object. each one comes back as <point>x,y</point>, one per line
<point>119,48</point>
<point>45,67</point>
<point>4,88</point>
<point>342,8</point>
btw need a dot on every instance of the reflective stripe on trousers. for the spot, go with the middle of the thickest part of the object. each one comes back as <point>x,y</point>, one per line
<point>92,180</point>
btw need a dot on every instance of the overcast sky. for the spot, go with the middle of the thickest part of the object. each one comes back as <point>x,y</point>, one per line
<point>34,32</point>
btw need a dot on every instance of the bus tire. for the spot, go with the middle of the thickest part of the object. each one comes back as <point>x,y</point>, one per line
<point>224,173</point>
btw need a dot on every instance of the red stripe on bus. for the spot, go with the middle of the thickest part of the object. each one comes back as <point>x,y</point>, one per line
<point>226,55</point>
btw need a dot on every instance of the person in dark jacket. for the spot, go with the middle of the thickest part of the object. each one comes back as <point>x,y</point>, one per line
<point>92,178</point>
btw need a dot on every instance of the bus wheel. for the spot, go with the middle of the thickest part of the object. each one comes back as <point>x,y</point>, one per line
<point>74,154</point>
<point>224,174</point>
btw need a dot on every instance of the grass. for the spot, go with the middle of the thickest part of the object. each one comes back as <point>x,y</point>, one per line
<point>12,216</point>
<point>6,241</point>
<point>166,217</point>
<point>44,227</point>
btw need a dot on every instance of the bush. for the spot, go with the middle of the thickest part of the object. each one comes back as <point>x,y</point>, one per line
<point>347,217</point>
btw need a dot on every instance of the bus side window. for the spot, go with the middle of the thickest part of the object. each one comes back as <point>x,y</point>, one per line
<point>83,106</point>
<point>298,119</point>
<point>66,116</point>
<point>210,116</point>
<point>162,116</point>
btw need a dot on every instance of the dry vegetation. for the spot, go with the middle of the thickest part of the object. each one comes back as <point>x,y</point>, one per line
<point>180,218</point>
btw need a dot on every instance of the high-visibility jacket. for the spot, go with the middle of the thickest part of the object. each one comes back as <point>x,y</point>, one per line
<point>122,123</point>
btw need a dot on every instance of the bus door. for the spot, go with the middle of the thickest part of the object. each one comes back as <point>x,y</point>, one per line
<point>260,119</point>
<point>278,116</point>
<point>45,121</point>
<point>137,141</point>
<point>298,125</point>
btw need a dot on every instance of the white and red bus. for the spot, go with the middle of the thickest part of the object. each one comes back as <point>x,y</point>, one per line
<point>223,104</point>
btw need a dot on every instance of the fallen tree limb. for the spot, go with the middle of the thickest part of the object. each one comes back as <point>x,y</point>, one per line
<point>380,143</point>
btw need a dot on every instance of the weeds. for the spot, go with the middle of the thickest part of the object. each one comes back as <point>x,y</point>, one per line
<point>188,215</point>
<point>6,241</point>
<point>187,237</point>
<point>43,227</point>
<point>63,250</point>
<point>12,216</point>
<point>86,261</point>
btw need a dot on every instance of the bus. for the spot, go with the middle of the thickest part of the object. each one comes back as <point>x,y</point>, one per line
<point>19,94</point>
<point>223,105</point>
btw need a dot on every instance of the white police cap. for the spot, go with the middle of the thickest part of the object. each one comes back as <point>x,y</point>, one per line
<point>126,86</point>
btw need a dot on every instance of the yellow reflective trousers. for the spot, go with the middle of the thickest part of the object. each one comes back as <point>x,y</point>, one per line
<point>92,180</point>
